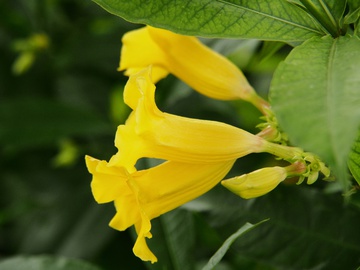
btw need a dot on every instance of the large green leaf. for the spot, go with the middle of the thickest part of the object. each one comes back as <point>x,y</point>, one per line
<point>307,229</point>
<point>278,20</point>
<point>315,95</point>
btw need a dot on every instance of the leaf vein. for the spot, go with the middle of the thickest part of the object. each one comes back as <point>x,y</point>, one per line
<point>224,2</point>
<point>330,99</point>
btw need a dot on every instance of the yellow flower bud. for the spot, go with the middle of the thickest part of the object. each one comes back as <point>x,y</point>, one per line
<point>256,183</point>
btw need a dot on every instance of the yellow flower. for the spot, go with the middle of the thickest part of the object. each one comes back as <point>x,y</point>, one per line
<point>140,196</point>
<point>150,132</point>
<point>186,57</point>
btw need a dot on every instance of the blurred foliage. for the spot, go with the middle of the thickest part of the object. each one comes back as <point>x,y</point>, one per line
<point>45,263</point>
<point>60,98</point>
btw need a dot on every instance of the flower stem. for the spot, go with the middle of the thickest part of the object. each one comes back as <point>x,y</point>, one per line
<point>288,153</point>
<point>261,104</point>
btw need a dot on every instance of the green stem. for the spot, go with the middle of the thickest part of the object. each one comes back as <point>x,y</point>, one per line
<point>296,169</point>
<point>288,153</point>
<point>261,104</point>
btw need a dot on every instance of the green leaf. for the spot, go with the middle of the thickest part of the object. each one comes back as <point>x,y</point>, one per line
<point>354,160</point>
<point>314,94</point>
<point>352,16</point>
<point>45,263</point>
<point>278,21</point>
<point>328,13</point>
<point>307,229</point>
<point>353,4</point>
<point>216,258</point>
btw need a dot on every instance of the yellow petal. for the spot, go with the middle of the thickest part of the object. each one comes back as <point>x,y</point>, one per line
<point>128,212</point>
<point>177,183</point>
<point>139,51</point>
<point>142,226</point>
<point>91,164</point>
<point>141,248</point>
<point>131,147</point>
<point>108,182</point>
<point>203,69</point>
<point>158,73</point>
<point>152,133</point>
<point>165,187</point>
<point>186,57</point>
<point>256,183</point>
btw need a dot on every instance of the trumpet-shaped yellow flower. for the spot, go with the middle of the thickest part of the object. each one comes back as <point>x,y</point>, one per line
<point>186,57</point>
<point>150,132</point>
<point>140,196</point>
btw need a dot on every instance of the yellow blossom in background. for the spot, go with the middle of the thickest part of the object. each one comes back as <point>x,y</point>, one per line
<point>28,50</point>
<point>150,132</point>
<point>143,195</point>
<point>186,57</point>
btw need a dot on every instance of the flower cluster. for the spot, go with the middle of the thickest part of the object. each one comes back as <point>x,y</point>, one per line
<point>197,154</point>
